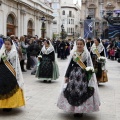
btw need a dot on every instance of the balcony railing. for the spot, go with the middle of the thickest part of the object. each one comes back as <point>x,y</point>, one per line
<point>72,16</point>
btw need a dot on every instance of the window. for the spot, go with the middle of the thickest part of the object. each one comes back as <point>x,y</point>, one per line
<point>70,13</point>
<point>54,22</point>
<point>91,12</point>
<point>71,30</point>
<point>10,19</point>
<point>67,30</point>
<point>63,13</point>
<point>63,21</point>
<point>30,24</point>
<point>69,21</point>
<point>30,28</point>
<point>10,25</point>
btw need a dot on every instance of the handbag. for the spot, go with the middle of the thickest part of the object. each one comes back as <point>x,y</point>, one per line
<point>104,77</point>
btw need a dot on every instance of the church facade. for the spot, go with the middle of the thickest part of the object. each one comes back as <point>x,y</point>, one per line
<point>96,9</point>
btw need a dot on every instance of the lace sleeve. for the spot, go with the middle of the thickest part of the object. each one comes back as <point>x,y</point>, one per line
<point>12,60</point>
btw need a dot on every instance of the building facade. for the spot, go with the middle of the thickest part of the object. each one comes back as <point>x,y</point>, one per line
<point>56,6</point>
<point>70,18</point>
<point>25,17</point>
<point>96,9</point>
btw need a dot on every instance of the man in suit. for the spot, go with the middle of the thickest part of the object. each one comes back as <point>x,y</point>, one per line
<point>89,44</point>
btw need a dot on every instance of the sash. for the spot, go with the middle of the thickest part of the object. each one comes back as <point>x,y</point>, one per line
<point>11,84</point>
<point>97,53</point>
<point>80,63</point>
<point>10,67</point>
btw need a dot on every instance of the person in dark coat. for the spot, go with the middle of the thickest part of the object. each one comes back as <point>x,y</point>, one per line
<point>89,44</point>
<point>34,52</point>
<point>55,45</point>
<point>28,55</point>
<point>58,48</point>
<point>67,48</point>
<point>62,50</point>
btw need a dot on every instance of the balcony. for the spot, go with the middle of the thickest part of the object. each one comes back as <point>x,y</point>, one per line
<point>72,16</point>
<point>70,34</point>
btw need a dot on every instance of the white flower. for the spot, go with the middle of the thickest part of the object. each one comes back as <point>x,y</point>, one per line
<point>102,58</point>
<point>90,69</point>
<point>40,56</point>
<point>75,55</point>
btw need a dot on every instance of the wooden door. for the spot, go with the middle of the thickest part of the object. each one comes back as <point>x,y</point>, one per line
<point>10,30</point>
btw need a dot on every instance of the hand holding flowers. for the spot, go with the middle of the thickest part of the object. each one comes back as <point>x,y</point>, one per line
<point>39,57</point>
<point>89,72</point>
<point>102,59</point>
<point>4,57</point>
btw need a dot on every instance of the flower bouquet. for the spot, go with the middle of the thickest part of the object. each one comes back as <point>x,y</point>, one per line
<point>4,57</point>
<point>39,57</point>
<point>89,72</point>
<point>101,59</point>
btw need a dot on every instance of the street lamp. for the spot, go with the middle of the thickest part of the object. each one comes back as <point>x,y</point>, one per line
<point>62,28</point>
<point>43,29</point>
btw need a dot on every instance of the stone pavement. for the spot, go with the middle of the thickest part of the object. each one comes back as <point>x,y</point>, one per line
<point>41,98</point>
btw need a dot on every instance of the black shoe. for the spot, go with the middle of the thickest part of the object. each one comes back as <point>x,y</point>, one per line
<point>29,69</point>
<point>7,109</point>
<point>45,81</point>
<point>78,115</point>
<point>32,73</point>
<point>49,81</point>
<point>24,71</point>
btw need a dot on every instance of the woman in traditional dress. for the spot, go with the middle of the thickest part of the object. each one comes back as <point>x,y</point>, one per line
<point>11,79</point>
<point>48,68</point>
<point>97,50</point>
<point>79,95</point>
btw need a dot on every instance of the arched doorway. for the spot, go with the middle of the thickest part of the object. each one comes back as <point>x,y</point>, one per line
<point>30,28</point>
<point>10,25</point>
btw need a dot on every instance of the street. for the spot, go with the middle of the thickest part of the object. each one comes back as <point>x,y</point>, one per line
<point>41,98</point>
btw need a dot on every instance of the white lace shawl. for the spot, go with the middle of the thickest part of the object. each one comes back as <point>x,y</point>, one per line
<point>14,60</point>
<point>100,48</point>
<point>48,50</point>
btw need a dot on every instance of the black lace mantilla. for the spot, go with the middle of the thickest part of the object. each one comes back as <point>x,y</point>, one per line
<point>77,90</point>
<point>8,82</point>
